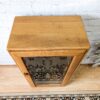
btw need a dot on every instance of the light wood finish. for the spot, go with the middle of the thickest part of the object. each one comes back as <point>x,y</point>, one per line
<point>48,33</point>
<point>85,80</point>
<point>48,53</point>
<point>48,36</point>
<point>74,64</point>
<point>22,67</point>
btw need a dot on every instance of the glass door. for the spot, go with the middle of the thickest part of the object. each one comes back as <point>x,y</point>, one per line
<point>47,70</point>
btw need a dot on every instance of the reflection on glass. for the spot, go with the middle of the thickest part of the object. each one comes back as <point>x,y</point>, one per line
<point>47,70</point>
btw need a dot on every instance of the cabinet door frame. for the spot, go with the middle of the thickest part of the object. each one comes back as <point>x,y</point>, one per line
<point>77,57</point>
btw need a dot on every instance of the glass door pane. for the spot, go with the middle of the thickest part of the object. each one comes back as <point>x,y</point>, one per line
<point>47,70</point>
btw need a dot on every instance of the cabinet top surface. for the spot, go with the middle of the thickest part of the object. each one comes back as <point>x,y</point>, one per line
<point>48,33</point>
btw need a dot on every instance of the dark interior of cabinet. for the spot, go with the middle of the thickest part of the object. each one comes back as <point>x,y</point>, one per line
<point>47,70</point>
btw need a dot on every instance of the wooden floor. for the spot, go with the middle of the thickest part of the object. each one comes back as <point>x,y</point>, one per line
<point>85,80</point>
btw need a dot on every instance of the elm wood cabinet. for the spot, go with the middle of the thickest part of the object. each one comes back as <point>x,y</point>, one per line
<point>48,49</point>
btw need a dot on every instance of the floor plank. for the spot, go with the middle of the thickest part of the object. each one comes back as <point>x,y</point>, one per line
<point>85,80</point>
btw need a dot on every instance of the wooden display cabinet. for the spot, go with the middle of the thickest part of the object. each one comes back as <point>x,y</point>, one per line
<point>48,49</point>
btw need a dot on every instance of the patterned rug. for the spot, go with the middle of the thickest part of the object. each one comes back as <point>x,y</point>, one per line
<point>53,97</point>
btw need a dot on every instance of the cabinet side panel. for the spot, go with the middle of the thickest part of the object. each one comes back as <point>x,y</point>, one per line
<point>72,67</point>
<point>22,67</point>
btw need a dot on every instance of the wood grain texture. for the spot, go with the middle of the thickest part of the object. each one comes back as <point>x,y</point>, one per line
<point>85,80</point>
<point>74,64</point>
<point>48,53</point>
<point>48,33</point>
<point>22,67</point>
<point>48,36</point>
<point>76,54</point>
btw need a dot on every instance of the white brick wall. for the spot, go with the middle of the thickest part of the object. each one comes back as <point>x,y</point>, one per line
<point>88,9</point>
